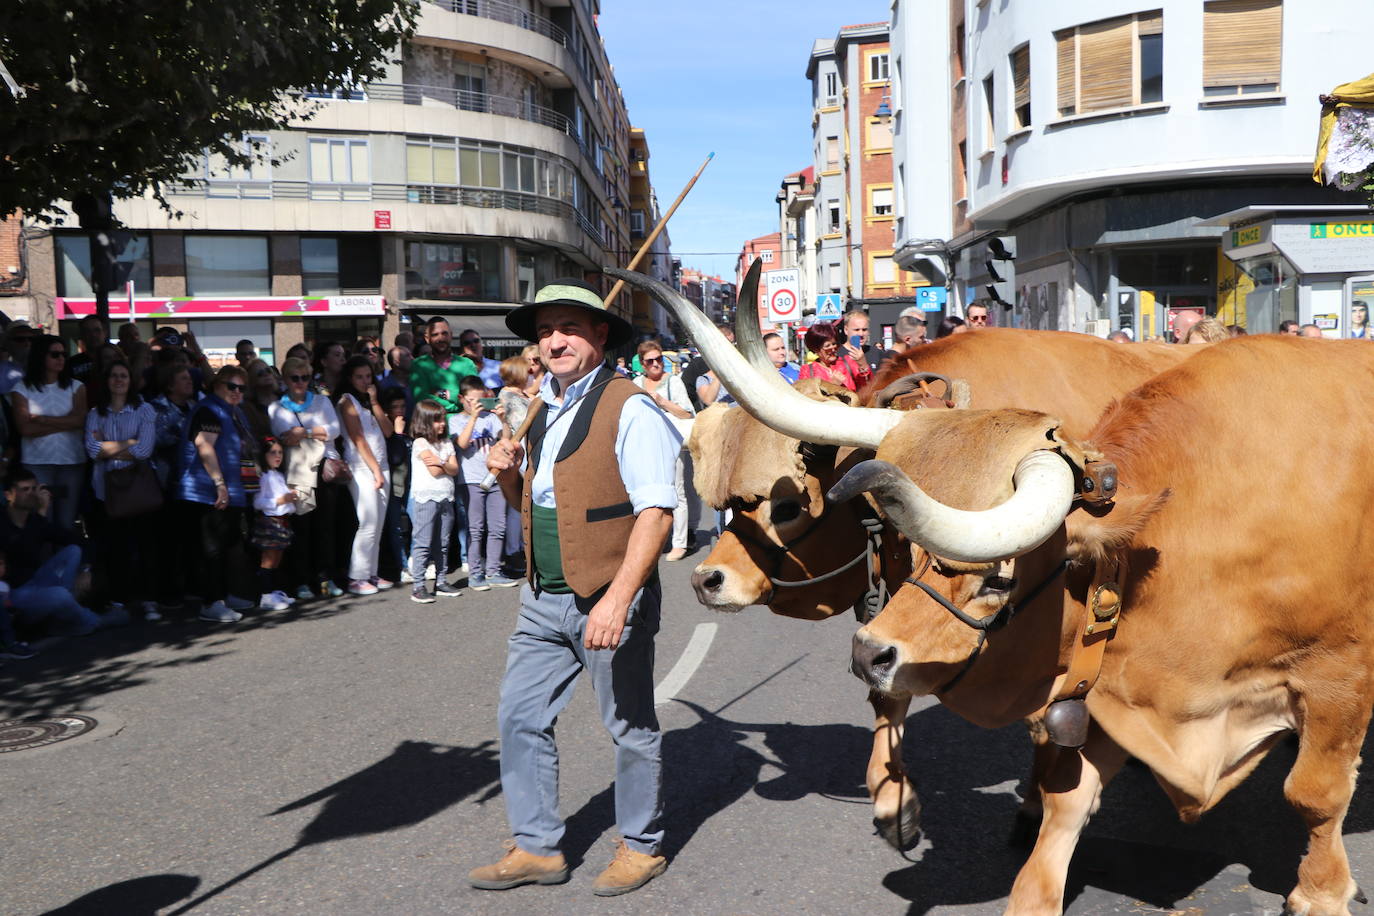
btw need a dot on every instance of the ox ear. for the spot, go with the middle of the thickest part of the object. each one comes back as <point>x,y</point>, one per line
<point>711,465</point>
<point>818,390</point>
<point>1095,534</point>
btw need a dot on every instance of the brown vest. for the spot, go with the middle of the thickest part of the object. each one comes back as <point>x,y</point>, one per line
<point>595,515</point>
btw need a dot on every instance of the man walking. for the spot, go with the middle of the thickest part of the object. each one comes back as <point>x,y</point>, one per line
<point>437,374</point>
<point>596,497</point>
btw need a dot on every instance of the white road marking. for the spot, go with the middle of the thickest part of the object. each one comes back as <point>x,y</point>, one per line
<point>686,666</point>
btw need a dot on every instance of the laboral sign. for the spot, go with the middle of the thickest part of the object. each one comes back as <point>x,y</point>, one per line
<point>255,307</point>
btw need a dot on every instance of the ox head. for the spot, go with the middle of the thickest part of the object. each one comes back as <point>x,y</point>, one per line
<point>783,529</point>
<point>1005,560</point>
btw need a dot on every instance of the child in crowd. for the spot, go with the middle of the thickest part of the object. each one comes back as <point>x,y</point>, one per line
<point>476,430</point>
<point>433,465</point>
<point>396,529</point>
<point>275,502</point>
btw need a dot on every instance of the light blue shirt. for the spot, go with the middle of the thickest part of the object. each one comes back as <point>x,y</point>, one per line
<point>490,373</point>
<point>646,446</point>
<point>790,372</point>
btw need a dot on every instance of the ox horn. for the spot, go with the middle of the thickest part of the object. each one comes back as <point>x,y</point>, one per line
<point>748,334</point>
<point>1044,494</point>
<point>763,393</point>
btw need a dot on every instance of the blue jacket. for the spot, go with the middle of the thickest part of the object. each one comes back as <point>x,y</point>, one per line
<point>192,483</point>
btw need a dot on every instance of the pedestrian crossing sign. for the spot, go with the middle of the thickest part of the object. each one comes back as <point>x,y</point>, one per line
<point>828,306</point>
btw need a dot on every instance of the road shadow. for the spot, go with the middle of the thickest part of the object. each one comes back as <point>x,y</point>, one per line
<point>708,766</point>
<point>413,783</point>
<point>137,897</point>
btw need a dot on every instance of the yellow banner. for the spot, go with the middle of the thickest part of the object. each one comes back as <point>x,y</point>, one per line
<point>1348,229</point>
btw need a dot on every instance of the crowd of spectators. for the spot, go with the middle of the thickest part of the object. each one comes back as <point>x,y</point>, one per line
<point>142,482</point>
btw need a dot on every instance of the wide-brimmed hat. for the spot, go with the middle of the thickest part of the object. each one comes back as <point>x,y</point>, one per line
<point>573,292</point>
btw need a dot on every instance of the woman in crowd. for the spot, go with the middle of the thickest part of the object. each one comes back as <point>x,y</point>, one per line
<point>950,324</point>
<point>210,488</point>
<point>476,430</point>
<point>537,370</point>
<point>371,347</point>
<point>121,430</point>
<point>360,412</point>
<point>262,394</point>
<point>831,364</point>
<point>172,409</point>
<point>300,351</point>
<point>50,413</point>
<point>329,362</point>
<point>306,424</point>
<point>515,397</point>
<point>670,394</point>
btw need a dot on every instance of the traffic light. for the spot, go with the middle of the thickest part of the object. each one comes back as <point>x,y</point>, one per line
<point>1001,269</point>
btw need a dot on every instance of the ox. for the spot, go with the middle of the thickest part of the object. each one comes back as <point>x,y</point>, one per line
<point>1218,603</point>
<point>790,549</point>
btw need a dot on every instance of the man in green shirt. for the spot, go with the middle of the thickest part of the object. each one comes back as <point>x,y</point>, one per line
<point>436,375</point>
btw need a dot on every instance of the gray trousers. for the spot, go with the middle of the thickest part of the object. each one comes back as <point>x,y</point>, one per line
<point>544,660</point>
<point>424,517</point>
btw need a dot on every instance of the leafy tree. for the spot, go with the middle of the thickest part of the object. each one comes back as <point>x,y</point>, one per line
<point>124,95</point>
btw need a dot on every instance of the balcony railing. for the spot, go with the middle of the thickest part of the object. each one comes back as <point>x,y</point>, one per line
<point>508,13</point>
<point>466,100</point>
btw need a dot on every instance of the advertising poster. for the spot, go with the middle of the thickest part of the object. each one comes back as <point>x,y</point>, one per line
<point>1361,299</point>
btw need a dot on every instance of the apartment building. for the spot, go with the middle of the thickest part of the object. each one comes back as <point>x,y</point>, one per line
<point>650,318</point>
<point>492,157</point>
<point>1112,163</point>
<point>768,250</point>
<point>711,294</point>
<point>796,200</point>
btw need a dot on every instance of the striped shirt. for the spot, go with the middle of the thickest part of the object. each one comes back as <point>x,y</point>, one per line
<point>138,423</point>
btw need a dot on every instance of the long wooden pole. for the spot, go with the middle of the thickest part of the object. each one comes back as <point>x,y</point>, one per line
<point>648,242</point>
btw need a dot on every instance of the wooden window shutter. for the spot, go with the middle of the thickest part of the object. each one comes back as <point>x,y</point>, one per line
<point>1020,76</point>
<point>1242,42</point>
<point>1151,23</point>
<point>1067,69</point>
<point>1106,64</point>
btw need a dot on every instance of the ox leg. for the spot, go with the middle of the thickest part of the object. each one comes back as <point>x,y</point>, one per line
<point>896,808</point>
<point>1070,792</point>
<point>1031,812</point>
<point>1319,787</point>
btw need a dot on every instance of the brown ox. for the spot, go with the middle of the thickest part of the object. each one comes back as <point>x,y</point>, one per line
<point>789,549</point>
<point>1240,554</point>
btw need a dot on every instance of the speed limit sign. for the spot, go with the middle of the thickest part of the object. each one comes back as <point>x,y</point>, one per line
<point>784,297</point>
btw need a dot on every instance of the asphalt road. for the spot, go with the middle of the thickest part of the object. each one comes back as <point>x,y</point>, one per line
<point>342,759</point>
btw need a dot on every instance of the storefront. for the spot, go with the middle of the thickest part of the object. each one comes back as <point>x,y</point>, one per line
<point>273,323</point>
<point>1302,264</point>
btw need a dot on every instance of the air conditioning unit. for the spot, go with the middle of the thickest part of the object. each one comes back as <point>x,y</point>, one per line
<point>1098,327</point>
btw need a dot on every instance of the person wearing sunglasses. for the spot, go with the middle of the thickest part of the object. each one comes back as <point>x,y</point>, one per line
<point>306,424</point>
<point>488,370</point>
<point>976,315</point>
<point>670,394</point>
<point>210,489</point>
<point>50,414</point>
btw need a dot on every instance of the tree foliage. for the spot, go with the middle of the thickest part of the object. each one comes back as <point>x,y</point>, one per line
<point>128,95</point>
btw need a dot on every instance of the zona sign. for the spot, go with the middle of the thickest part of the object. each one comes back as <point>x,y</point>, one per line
<point>783,298</point>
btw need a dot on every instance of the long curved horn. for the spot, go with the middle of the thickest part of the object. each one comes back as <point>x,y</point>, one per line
<point>1044,494</point>
<point>764,394</point>
<point>748,334</point>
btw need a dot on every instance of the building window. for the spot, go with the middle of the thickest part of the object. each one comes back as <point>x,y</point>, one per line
<point>340,162</point>
<point>832,88</point>
<point>766,256</point>
<point>228,265</point>
<point>1020,87</point>
<point>989,112</point>
<point>1242,46</point>
<point>881,199</point>
<point>636,222</point>
<point>959,52</point>
<point>470,81</point>
<point>882,269</point>
<point>1113,63</point>
<point>877,68</point>
<point>832,153</point>
<point>961,174</point>
<point>133,262</point>
<point>441,270</point>
<point>836,275</point>
<point>832,207</point>
<point>880,133</point>
<point>340,265</point>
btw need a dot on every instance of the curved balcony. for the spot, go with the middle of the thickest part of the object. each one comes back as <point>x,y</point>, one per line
<point>465,100</point>
<point>508,13</point>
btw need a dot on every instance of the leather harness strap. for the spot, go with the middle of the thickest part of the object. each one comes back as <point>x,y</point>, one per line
<point>1096,627</point>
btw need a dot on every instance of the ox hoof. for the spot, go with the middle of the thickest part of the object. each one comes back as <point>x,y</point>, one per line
<point>1360,896</point>
<point>1024,829</point>
<point>903,832</point>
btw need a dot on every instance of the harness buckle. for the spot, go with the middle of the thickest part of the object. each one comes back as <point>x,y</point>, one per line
<point>1106,609</point>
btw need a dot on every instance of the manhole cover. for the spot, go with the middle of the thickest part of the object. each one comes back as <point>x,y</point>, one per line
<point>23,734</point>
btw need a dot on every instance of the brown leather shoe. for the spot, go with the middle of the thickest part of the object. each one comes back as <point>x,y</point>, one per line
<point>518,867</point>
<point>628,870</point>
<point>677,553</point>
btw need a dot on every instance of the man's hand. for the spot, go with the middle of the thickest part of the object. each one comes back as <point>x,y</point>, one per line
<point>606,623</point>
<point>853,351</point>
<point>504,455</point>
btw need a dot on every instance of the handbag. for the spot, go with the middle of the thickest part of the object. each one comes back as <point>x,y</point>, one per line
<point>334,470</point>
<point>132,491</point>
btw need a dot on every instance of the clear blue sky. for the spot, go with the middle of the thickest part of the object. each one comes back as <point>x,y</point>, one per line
<point>728,77</point>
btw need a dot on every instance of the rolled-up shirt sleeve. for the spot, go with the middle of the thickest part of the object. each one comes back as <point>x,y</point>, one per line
<point>646,449</point>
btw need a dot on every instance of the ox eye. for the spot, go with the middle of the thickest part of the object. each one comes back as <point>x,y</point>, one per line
<point>999,583</point>
<point>785,512</point>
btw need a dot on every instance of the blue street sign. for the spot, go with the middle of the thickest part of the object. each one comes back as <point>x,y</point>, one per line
<point>828,306</point>
<point>932,298</point>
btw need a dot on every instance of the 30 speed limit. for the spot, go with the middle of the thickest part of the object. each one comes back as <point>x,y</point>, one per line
<point>784,296</point>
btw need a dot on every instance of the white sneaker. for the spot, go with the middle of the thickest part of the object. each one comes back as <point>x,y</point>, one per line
<point>150,611</point>
<point>429,572</point>
<point>283,596</point>
<point>236,603</point>
<point>406,577</point>
<point>273,602</point>
<point>219,612</point>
